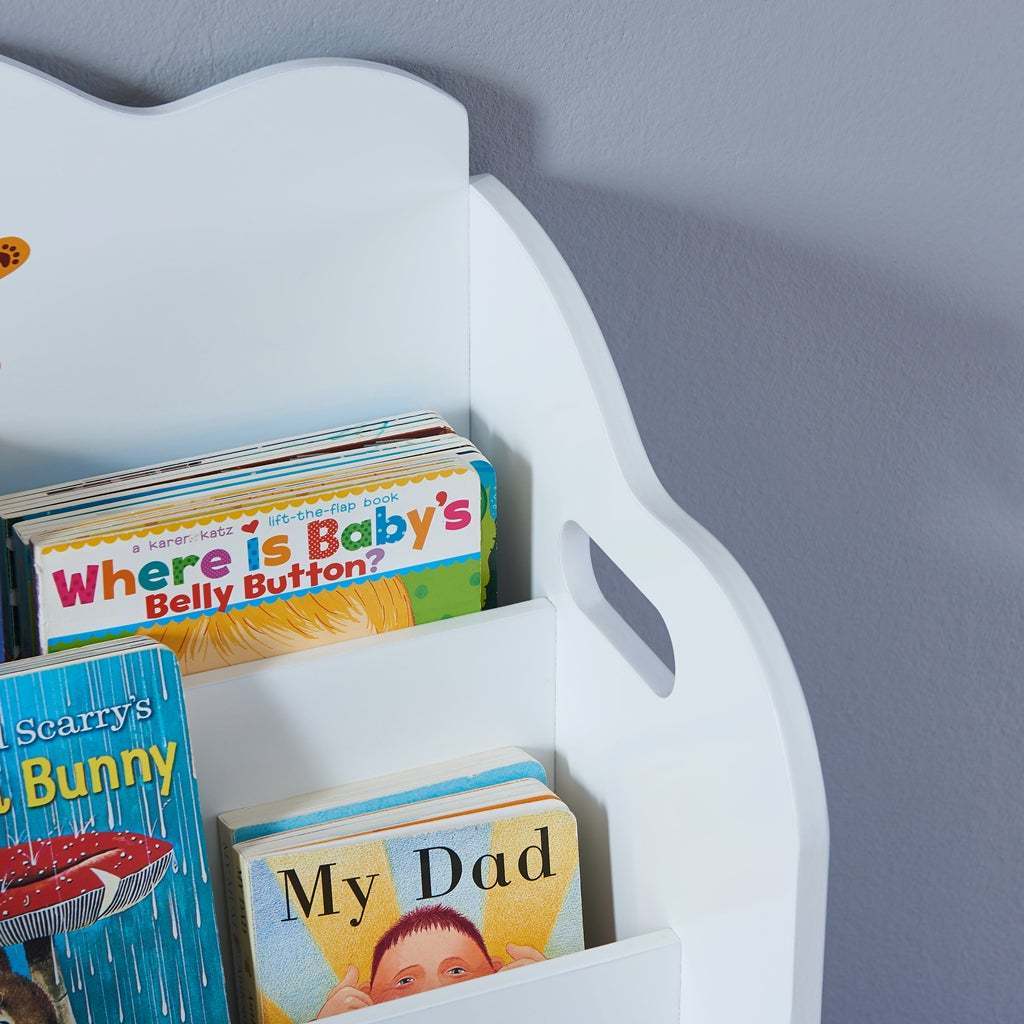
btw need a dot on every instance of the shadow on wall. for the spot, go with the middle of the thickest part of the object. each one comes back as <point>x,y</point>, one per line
<point>90,79</point>
<point>23,467</point>
<point>854,436</point>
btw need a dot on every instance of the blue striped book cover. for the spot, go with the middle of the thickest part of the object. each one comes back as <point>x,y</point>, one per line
<point>106,909</point>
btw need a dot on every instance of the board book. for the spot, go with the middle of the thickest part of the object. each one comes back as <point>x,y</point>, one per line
<point>360,531</point>
<point>163,482</point>
<point>341,915</point>
<point>106,910</point>
<point>448,778</point>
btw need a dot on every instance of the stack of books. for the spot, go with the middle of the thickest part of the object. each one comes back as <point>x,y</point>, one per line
<point>356,896</point>
<point>111,588</point>
<point>256,551</point>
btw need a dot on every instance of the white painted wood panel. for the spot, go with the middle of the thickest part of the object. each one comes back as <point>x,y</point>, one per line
<point>306,721</point>
<point>320,718</point>
<point>284,251</point>
<point>631,982</point>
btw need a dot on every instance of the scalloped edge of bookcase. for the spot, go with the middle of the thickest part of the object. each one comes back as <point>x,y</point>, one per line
<point>699,794</point>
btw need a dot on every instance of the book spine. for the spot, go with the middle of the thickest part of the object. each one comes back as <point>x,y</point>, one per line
<point>231,882</point>
<point>248,1011</point>
<point>29,637</point>
<point>488,532</point>
<point>6,592</point>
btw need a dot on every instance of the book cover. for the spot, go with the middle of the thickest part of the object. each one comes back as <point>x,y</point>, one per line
<point>163,481</point>
<point>449,778</point>
<point>193,493</point>
<point>106,911</point>
<point>223,589</point>
<point>338,926</point>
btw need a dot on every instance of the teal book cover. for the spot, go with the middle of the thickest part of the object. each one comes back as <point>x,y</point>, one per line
<point>106,908</point>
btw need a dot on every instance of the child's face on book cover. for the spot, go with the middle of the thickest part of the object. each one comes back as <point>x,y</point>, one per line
<point>426,960</point>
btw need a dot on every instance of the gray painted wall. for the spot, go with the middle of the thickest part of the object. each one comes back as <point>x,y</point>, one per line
<point>801,226</point>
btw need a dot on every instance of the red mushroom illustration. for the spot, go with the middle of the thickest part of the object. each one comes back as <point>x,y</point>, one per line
<point>58,885</point>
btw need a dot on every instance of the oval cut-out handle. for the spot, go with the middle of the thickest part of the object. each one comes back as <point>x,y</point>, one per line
<point>578,549</point>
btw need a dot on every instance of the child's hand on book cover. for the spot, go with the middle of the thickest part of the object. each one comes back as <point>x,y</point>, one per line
<point>520,956</point>
<point>346,996</point>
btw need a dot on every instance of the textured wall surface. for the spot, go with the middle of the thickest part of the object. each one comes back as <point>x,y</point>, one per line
<point>801,226</point>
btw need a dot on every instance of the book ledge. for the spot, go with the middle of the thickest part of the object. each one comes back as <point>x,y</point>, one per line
<point>702,823</point>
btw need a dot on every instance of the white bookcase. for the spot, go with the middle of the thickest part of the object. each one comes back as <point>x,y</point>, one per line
<point>302,247</point>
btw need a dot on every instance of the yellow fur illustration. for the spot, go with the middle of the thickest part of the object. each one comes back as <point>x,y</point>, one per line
<point>290,624</point>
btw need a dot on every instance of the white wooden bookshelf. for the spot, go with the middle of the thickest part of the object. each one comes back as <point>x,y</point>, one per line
<point>303,247</point>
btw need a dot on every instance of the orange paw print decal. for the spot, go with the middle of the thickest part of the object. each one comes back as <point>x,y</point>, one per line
<point>13,253</point>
